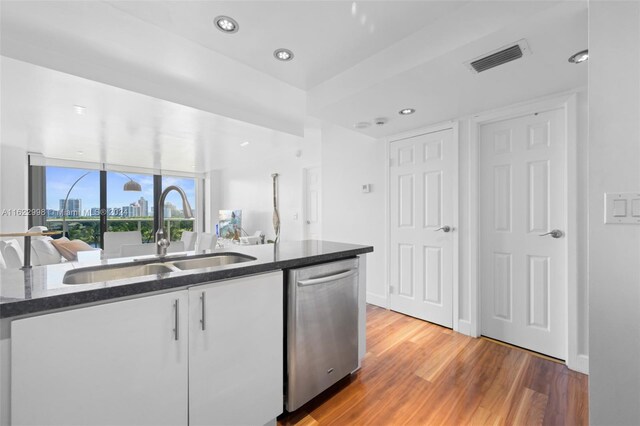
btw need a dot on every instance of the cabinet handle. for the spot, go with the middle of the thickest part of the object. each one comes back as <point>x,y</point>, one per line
<point>176,319</point>
<point>202,320</point>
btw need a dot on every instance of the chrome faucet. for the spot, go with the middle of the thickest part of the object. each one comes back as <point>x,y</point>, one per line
<point>162,240</point>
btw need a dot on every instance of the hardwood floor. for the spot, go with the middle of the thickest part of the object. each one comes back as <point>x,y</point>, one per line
<point>417,373</point>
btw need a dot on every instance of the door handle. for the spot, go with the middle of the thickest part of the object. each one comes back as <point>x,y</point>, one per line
<point>555,233</point>
<point>445,228</point>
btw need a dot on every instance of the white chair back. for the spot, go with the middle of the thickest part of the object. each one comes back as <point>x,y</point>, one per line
<point>189,239</point>
<point>176,247</point>
<point>113,241</point>
<point>12,253</point>
<point>206,241</point>
<point>128,250</point>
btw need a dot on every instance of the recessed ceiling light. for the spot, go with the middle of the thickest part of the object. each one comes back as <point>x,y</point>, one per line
<point>243,144</point>
<point>579,57</point>
<point>226,24</point>
<point>406,111</point>
<point>79,109</point>
<point>79,152</point>
<point>283,54</point>
<point>362,125</point>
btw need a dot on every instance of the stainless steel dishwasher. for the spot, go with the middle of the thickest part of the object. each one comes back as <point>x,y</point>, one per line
<point>322,329</point>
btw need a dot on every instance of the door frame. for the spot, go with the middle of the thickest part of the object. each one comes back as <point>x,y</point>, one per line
<point>567,102</point>
<point>454,126</point>
<point>304,211</point>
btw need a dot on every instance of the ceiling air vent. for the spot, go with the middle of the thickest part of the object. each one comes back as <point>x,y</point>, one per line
<point>500,56</point>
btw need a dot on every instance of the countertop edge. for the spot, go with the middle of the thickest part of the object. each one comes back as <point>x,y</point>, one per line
<point>9,309</point>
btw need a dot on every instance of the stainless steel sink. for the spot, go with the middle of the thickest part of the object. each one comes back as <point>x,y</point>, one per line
<point>91,275</point>
<point>211,261</point>
<point>134,270</point>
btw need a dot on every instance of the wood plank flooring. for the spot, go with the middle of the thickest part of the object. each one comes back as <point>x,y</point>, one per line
<point>417,373</point>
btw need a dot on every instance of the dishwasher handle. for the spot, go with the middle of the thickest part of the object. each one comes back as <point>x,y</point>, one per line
<point>328,278</point>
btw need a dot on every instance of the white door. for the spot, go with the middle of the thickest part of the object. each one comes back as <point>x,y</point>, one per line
<point>421,230</point>
<point>97,365</point>
<point>522,197</point>
<point>312,207</point>
<point>236,354</point>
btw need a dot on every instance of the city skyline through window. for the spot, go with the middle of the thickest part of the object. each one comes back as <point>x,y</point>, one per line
<point>124,210</point>
<point>123,204</point>
<point>130,210</point>
<point>60,179</point>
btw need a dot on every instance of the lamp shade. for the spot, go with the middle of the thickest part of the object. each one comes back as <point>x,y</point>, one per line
<point>132,185</point>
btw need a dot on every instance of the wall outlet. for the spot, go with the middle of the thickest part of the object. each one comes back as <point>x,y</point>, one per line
<point>366,188</point>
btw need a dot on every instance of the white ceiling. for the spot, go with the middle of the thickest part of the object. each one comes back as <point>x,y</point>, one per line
<point>94,40</point>
<point>193,93</point>
<point>443,88</point>
<point>122,127</point>
<point>327,37</point>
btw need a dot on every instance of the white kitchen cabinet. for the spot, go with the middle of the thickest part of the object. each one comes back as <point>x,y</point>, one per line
<point>120,363</point>
<point>236,355</point>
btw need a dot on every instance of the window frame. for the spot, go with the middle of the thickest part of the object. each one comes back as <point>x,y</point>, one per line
<point>37,188</point>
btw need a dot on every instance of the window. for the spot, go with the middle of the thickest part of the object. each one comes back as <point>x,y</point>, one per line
<point>174,221</point>
<point>80,189</point>
<point>86,203</point>
<point>129,210</point>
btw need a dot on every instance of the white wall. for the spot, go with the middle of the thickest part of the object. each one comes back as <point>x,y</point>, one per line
<point>350,160</point>
<point>582,225</point>
<point>614,250</point>
<point>247,185</point>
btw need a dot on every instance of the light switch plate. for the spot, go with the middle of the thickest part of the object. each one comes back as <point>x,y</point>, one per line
<point>622,208</point>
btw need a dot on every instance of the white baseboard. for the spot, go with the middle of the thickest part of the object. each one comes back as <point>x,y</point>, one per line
<point>582,364</point>
<point>464,327</point>
<point>376,299</point>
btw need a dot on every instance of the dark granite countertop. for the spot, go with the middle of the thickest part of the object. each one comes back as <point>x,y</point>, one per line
<point>41,289</point>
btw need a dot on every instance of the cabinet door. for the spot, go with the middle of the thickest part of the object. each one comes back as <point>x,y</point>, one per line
<point>115,364</point>
<point>236,356</point>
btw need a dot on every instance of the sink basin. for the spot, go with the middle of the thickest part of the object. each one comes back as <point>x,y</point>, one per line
<point>133,270</point>
<point>90,275</point>
<point>211,261</point>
